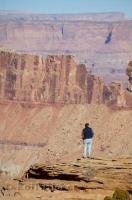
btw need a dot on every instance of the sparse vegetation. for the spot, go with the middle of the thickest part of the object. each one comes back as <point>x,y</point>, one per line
<point>119,195</point>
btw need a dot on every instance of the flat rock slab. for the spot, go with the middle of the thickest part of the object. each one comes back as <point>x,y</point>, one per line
<point>84,174</point>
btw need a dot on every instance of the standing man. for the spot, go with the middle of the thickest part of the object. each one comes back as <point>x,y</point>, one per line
<point>87,136</point>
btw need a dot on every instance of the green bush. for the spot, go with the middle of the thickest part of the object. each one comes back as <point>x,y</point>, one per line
<point>120,195</point>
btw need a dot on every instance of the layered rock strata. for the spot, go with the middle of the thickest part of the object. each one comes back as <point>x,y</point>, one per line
<point>82,179</point>
<point>55,79</point>
<point>102,41</point>
<point>84,174</point>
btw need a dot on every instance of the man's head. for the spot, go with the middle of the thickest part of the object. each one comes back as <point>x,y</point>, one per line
<point>86,125</point>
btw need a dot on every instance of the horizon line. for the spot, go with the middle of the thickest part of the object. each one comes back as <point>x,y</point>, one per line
<point>36,12</point>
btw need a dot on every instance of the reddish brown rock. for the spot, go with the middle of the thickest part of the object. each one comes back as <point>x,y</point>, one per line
<point>55,79</point>
<point>83,179</point>
<point>88,174</point>
<point>118,94</point>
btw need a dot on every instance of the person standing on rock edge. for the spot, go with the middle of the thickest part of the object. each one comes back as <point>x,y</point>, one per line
<point>87,136</point>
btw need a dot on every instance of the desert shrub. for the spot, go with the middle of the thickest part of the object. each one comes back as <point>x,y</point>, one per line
<point>120,195</point>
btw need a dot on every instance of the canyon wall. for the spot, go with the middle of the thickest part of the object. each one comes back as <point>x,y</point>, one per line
<point>102,41</point>
<point>55,79</point>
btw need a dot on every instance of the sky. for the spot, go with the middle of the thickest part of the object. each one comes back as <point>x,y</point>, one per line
<point>68,6</point>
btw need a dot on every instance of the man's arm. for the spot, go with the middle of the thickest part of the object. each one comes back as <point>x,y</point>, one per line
<point>92,132</point>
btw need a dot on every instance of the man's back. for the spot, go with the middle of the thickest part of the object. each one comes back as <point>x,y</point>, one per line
<point>87,133</point>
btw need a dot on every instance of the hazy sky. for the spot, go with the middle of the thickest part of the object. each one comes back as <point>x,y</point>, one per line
<point>68,6</point>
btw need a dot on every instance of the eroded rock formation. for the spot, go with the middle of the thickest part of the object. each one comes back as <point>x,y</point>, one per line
<point>83,179</point>
<point>118,94</point>
<point>86,174</point>
<point>55,79</point>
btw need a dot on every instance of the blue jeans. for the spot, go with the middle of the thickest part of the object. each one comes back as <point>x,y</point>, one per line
<point>87,147</point>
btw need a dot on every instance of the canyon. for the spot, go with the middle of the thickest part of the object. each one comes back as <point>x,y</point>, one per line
<point>101,41</point>
<point>45,100</point>
<point>58,72</point>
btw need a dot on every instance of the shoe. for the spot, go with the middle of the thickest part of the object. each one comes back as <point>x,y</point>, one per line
<point>84,157</point>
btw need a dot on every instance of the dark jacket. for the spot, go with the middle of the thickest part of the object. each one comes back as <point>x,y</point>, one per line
<point>87,133</point>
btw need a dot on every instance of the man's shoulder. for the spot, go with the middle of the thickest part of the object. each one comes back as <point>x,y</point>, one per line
<point>91,129</point>
<point>86,129</point>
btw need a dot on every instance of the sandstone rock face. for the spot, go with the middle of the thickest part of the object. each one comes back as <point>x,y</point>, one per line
<point>87,174</point>
<point>118,94</point>
<point>83,179</point>
<point>55,79</point>
<point>102,41</point>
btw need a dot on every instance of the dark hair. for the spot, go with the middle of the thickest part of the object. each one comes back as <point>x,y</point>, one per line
<point>86,125</point>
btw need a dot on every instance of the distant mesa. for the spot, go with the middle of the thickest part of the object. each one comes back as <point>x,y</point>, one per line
<point>104,16</point>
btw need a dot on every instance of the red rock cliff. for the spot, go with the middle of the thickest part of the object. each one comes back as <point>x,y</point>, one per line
<point>55,79</point>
